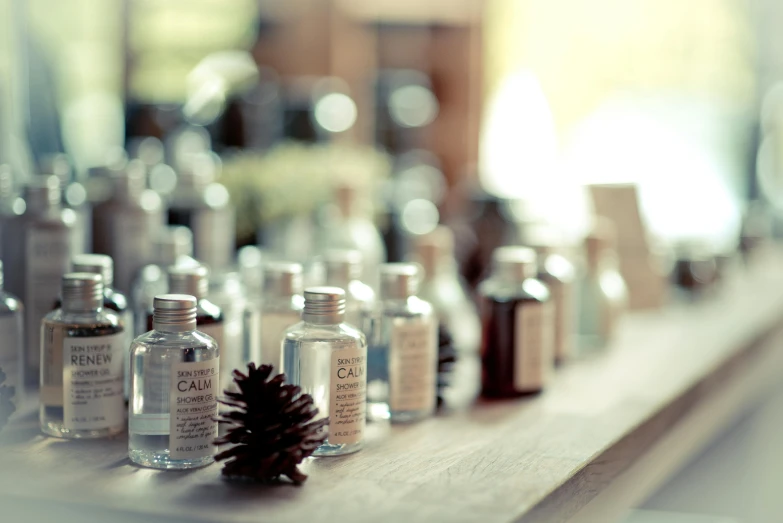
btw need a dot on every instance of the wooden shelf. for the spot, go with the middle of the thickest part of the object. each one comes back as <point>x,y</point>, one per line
<point>678,374</point>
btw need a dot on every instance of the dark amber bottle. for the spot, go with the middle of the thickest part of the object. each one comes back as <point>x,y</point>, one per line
<point>517,326</point>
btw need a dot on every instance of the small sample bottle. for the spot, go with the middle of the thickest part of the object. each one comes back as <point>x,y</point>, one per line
<point>344,270</point>
<point>82,358</point>
<point>281,308</point>
<point>458,320</point>
<point>327,359</point>
<point>175,368</point>
<point>11,347</point>
<point>559,275</point>
<point>518,326</point>
<point>403,356</point>
<point>172,246</point>
<point>125,225</point>
<point>603,294</point>
<point>112,300</point>
<point>37,252</point>
<point>203,205</point>
<point>194,281</point>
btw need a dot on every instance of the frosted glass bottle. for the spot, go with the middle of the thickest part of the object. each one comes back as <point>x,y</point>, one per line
<point>171,246</point>
<point>403,355</point>
<point>175,369</point>
<point>203,205</point>
<point>125,225</point>
<point>38,249</point>
<point>327,359</point>
<point>11,347</point>
<point>82,359</point>
<point>282,307</point>
<point>458,320</point>
<point>344,270</point>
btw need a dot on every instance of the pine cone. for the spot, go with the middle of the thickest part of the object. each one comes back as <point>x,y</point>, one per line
<point>271,427</point>
<point>447,357</point>
<point>6,405</point>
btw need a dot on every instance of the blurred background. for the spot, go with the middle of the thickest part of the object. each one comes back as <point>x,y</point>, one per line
<point>525,100</point>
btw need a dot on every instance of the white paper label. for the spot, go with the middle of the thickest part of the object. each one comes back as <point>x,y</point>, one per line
<point>48,256</point>
<point>129,326</point>
<point>11,350</point>
<point>193,403</point>
<point>93,382</point>
<point>413,365</point>
<point>273,325</point>
<point>348,395</point>
<point>533,345</point>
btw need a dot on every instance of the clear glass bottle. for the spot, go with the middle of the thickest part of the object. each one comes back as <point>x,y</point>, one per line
<point>559,275</point>
<point>82,358</point>
<point>194,281</point>
<point>175,368</point>
<point>125,225</point>
<point>112,299</point>
<point>344,270</point>
<point>38,250</point>
<point>173,246</point>
<point>518,326</point>
<point>603,296</point>
<point>227,293</point>
<point>328,360</point>
<point>351,227</point>
<point>11,348</point>
<point>458,320</point>
<point>203,205</point>
<point>281,308</point>
<point>403,355</point>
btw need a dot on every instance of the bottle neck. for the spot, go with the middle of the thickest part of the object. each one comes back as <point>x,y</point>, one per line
<point>173,329</point>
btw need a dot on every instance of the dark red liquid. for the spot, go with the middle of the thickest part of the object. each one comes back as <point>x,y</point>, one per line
<point>207,313</point>
<point>498,347</point>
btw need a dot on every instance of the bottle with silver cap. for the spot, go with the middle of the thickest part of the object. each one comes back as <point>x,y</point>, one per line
<point>38,249</point>
<point>174,389</point>
<point>327,358</point>
<point>194,281</point>
<point>518,326</point>
<point>82,359</point>
<point>344,270</point>
<point>403,355</point>
<point>112,299</point>
<point>282,307</point>
<point>204,205</point>
<point>11,346</point>
<point>172,246</point>
<point>125,225</point>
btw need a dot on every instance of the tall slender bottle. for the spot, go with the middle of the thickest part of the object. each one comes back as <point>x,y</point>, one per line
<point>203,205</point>
<point>403,356</point>
<point>125,226</point>
<point>353,228</point>
<point>38,253</point>
<point>11,204</point>
<point>328,359</point>
<point>172,246</point>
<point>344,270</point>
<point>82,357</point>
<point>11,345</point>
<point>281,308</point>
<point>175,369</point>
<point>459,327</point>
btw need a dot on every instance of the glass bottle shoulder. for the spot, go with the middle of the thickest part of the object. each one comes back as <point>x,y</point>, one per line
<point>503,290</point>
<point>304,332</point>
<point>410,307</point>
<point>293,304</point>
<point>173,340</point>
